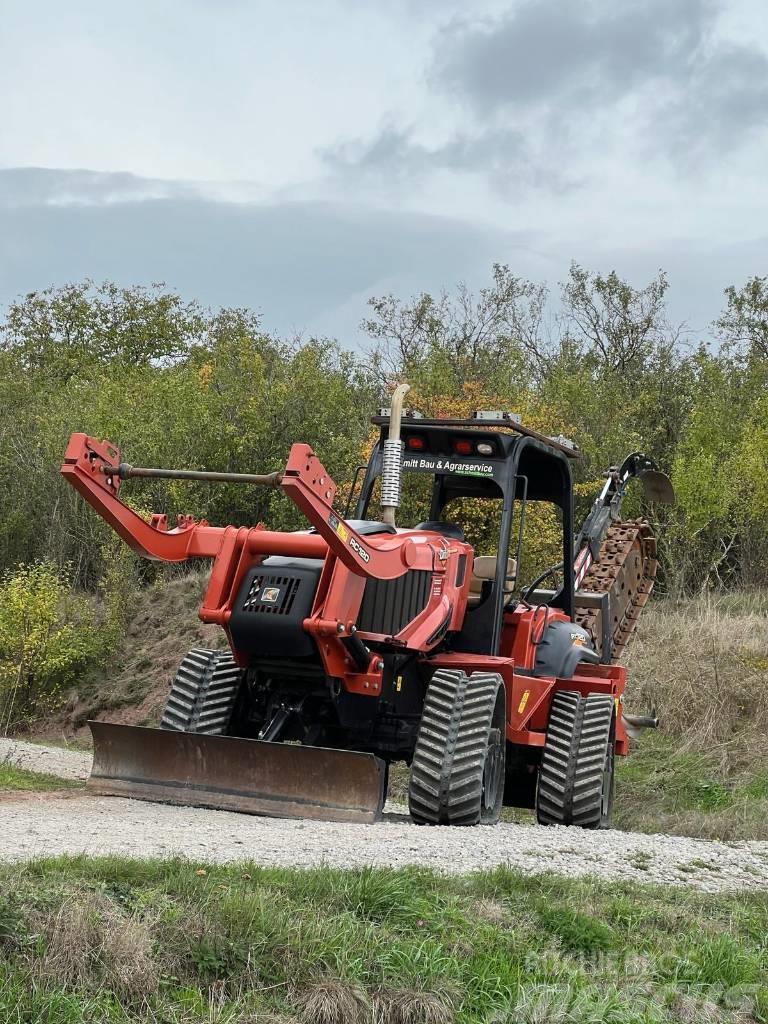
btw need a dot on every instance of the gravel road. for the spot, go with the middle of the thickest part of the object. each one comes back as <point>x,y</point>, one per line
<point>72,824</point>
<point>67,764</point>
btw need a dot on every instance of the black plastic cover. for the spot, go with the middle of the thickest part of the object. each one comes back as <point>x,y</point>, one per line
<point>562,647</point>
<point>271,605</point>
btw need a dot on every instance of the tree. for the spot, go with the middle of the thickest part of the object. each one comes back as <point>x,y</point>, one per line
<point>745,319</point>
<point>610,321</point>
<point>172,385</point>
<point>66,331</point>
<point>493,335</point>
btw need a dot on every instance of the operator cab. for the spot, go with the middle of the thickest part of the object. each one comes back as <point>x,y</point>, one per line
<point>475,479</point>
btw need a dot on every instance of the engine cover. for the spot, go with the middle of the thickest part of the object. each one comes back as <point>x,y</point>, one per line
<point>272,603</point>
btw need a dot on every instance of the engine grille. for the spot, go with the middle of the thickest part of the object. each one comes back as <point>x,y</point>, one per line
<point>389,605</point>
<point>271,595</point>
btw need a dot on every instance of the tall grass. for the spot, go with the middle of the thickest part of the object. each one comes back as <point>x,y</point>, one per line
<point>703,664</point>
<point>178,943</point>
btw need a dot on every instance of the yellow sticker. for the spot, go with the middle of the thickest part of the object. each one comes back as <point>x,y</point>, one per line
<point>399,684</point>
<point>342,531</point>
<point>523,702</point>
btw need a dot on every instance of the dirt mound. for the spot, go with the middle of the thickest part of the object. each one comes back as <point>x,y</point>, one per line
<point>132,688</point>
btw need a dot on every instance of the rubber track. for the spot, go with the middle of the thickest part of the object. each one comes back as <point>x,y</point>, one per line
<point>626,568</point>
<point>571,774</point>
<point>447,769</point>
<point>203,693</point>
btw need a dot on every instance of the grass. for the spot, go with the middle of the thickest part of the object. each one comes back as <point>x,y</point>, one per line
<point>13,778</point>
<point>103,940</point>
<point>704,665</point>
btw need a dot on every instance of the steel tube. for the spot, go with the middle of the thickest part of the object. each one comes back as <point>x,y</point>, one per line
<point>127,472</point>
<point>298,545</point>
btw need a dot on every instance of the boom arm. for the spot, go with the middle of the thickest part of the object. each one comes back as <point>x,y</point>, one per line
<point>607,506</point>
<point>93,468</point>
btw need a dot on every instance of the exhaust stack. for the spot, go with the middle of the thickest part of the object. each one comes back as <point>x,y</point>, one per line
<point>391,469</point>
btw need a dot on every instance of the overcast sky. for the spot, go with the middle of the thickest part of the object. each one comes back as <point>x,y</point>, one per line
<point>297,157</point>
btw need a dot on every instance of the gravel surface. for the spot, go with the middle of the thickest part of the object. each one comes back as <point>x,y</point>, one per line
<point>100,825</point>
<point>67,764</point>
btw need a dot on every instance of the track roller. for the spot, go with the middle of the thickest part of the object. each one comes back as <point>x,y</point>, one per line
<point>576,776</point>
<point>457,773</point>
<point>203,694</point>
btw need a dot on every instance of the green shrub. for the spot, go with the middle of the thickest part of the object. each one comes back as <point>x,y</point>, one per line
<point>46,638</point>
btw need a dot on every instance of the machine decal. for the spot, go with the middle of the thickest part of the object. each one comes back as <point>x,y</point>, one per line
<point>435,464</point>
<point>269,595</point>
<point>523,702</point>
<point>358,549</point>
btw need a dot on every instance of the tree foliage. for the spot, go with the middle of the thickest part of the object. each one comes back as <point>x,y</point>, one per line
<point>178,385</point>
<point>609,370</point>
<point>744,321</point>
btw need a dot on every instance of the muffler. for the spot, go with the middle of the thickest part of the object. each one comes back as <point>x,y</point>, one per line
<point>392,457</point>
<point>280,780</point>
<point>634,724</point>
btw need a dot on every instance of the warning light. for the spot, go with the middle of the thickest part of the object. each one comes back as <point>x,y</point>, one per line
<point>416,444</point>
<point>462,447</point>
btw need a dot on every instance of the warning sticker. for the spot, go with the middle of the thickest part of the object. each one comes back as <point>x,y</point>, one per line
<point>336,524</point>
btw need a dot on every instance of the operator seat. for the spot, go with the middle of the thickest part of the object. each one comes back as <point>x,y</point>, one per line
<point>483,575</point>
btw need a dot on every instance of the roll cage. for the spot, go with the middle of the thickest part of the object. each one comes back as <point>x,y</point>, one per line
<point>512,467</point>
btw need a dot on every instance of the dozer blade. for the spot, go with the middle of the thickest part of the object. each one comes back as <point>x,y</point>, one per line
<point>657,487</point>
<point>275,779</point>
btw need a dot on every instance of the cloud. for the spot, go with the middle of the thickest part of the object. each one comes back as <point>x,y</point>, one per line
<point>394,157</point>
<point>544,50</point>
<point>663,64</point>
<point>724,104</point>
<point>35,186</point>
<point>542,93</point>
<point>310,266</point>
<point>397,152</point>
<point>298,262</point>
